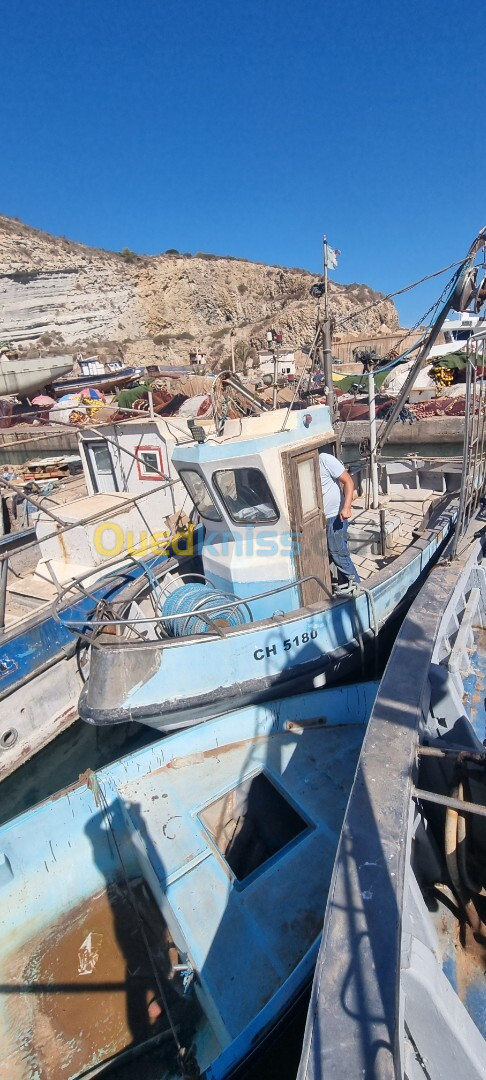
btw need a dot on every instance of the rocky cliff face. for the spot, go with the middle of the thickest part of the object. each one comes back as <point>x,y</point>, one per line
<point>57,295</point>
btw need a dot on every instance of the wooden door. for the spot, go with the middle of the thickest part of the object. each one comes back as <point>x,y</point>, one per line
<point>307,520</point>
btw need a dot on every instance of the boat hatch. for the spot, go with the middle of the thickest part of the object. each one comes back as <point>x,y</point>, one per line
<point>251,823</point>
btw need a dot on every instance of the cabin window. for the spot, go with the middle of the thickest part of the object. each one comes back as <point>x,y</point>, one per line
<point>251,823</point>
<point>100,466</point>
<point>102,458</point>
<point>149,462</point>
<point>246,495</point>
<point>200,494</point>
<point>307,484</point>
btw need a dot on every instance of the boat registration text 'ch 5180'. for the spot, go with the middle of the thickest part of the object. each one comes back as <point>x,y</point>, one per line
<point>285,646</point>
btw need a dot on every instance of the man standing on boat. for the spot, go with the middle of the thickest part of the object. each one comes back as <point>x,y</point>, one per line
<point>337,493</point>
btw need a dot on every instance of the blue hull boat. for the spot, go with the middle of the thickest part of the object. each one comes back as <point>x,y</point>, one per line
<point>41,666</point>
<point>259,618</point>
<point>400,989</point>
<point>164,914</point>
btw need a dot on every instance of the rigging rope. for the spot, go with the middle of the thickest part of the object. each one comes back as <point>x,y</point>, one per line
<point>398,292</point>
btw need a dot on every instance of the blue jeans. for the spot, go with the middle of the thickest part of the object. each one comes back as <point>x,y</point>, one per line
<point>337,546</point>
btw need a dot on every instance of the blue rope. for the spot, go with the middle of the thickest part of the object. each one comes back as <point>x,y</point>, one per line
<point>194,596</point>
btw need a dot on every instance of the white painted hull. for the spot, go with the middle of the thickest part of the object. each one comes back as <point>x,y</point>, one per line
<point>27,376</point>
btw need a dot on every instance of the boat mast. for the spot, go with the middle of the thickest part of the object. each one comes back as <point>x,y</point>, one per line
<point>325,351</point>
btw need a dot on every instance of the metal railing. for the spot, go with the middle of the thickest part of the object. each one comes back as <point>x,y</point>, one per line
<point>14,542</point>
<point>133,624</point>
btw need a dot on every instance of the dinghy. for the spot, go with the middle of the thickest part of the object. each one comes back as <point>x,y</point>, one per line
<point>400,988</point>
<point>169,907</point>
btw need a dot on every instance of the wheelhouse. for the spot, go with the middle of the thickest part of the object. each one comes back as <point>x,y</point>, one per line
<point>257,490</point>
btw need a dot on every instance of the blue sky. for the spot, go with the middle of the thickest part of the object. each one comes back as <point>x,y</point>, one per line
<point>250,129</point>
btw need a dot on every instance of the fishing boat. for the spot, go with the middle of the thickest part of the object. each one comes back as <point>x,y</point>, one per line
<point>399,989</point>
<point>24,377</point>
<point>111,380</point>
<point>257,614</point>
<point>130,525</point>
<point>42,665</point>
<point>164,914</point>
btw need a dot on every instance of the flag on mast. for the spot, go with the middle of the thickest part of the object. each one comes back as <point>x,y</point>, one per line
<point>331,257</point>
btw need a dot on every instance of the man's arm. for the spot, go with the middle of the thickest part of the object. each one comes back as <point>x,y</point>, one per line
<point>347,483</point>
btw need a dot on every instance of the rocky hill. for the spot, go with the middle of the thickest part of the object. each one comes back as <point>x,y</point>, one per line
<point>56,295</point>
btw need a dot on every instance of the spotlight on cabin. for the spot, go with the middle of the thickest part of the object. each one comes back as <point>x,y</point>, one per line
<point>198,433</point>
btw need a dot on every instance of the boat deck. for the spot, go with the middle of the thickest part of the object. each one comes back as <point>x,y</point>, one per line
<point>227,838</point>
<point>405,514</point>
<point>94,990</point>
<point>225,921</point>
<point>27,591</point>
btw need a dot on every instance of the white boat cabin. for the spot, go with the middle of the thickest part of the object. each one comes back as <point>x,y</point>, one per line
<point>257,489</point>
<point>130,505</point>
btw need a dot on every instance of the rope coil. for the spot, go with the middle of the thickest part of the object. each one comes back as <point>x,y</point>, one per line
<point>195,597</point>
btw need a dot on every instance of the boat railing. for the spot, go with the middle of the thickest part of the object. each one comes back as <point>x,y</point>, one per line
<point>108,619</point>
<point>28,538</point>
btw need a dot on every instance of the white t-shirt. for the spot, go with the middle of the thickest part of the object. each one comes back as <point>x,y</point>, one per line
<point>333,496</point>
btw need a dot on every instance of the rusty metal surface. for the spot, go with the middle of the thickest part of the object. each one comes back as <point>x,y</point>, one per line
<point>85,991</point>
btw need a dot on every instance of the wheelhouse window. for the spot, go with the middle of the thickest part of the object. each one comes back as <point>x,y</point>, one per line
<point>102,458</point>
<point>149,462</point>
<point>200,494</point>
<point>246,495</point>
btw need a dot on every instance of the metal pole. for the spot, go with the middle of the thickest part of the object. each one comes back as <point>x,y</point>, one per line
<point>325,348</point>
<point>232,336</point>
<point>373,462</point>
<point>151,405</point>
<point>36,501</point>
<point>327,358</point>
<point>244,392</point>
<point>324,248</point>
<point>383,538</point>
<point>275,377</point>
<point>3,592</point>
<point>465,464</point>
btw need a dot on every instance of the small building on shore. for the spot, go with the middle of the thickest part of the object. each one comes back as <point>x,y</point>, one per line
<point>285,363</point>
